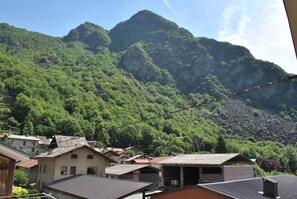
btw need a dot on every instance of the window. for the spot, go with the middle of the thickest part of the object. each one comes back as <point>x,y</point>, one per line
<point>211,170</point>
<point>92,171</point>
<point>44,168</point>
<point>33,149</point>
<point>63,170</point>
<point>24,143</point>
<point>74,156</point>
<point>40,166</point>
<point>33,143</point>
<point>72,170</point>
<point>89,156</point>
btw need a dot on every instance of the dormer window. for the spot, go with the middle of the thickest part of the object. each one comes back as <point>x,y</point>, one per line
<point>74,156</point>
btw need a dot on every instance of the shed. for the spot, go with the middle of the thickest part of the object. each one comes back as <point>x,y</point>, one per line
<point>191,169</point>
<point>135,172</point>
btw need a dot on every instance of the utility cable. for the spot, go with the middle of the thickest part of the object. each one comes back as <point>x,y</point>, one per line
<point>199,105</point>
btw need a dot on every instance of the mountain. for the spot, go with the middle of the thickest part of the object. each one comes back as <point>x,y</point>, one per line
<point>121,88</point>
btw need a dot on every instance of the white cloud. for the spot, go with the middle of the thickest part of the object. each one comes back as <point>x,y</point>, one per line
<point>169,6</point>
<point>263,30</point>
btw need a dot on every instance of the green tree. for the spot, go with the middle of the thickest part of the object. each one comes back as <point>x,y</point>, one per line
<point>291,157</point>
<point>221,146</point>
<point>20,178</point>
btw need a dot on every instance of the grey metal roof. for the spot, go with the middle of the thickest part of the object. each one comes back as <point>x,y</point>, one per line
<point>253,188</point>
<point>13,153</point>
<point>21,137</point>
<point>121,169</point>
<point>199,159</point>
<point>97,187</point>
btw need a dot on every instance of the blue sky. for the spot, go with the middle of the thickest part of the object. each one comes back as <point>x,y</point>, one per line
<point>261,26</point>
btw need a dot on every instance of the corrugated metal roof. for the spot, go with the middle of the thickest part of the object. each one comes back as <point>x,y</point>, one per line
<point>97,187</point>
<point>28,164</point>
<point>199,159</point>
<point>121,169</point>
<point>253,188</point>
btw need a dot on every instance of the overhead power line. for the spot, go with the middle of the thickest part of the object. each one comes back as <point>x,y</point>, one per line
<point>199,105</point>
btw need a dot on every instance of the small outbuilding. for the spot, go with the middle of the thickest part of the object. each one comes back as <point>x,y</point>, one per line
<point>135,172</point>
<point>191,169</point>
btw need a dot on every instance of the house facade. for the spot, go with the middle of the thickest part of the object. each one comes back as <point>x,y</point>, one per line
<point>27,144</point>
<point>63,162</point>
<point>186,170</point>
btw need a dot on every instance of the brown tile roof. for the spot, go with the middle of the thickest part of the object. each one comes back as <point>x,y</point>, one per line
<point>142,161</point>
<point>28,164</point>
<point>117,150</point>
<point>81,186</point>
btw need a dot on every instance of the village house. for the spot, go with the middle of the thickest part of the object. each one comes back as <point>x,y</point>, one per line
<point>185,170</point>
<point>27,144</point>
<point>282,186</point>
<point>63,162</point>
<point>143,173</point>
<point>8,158</point>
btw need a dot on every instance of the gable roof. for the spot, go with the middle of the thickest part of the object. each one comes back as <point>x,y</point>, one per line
<point>121,169</point>
<point>203,159</point>
<point>117,150</point>
<point>253,188</point>
<point>13,153</point>
<point>28,164</point>
<point>63,150</point>
<point>67,141</point>
<point>92,187</point>
<point>20,137</point>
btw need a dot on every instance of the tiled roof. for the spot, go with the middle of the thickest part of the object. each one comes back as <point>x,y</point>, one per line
<point>28,164</point>
<point>62,150</point>
<point>142,161</point>
<point>68,141</point>
<point>201,159</point>
<point>253,188</point>
<point>92,187</point>
<point>117,150</point>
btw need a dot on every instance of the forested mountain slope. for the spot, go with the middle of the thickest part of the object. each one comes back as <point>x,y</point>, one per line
<point>94,83</point>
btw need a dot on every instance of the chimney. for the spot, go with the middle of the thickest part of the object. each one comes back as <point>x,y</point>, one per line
<point>270,188</point>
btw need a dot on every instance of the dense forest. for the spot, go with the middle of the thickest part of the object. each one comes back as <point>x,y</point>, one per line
<point>121,87</point>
